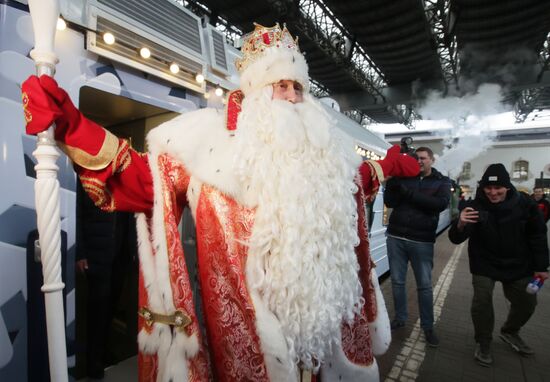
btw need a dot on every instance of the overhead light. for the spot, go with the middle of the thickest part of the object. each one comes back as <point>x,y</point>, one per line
<point>61,24</point>
<point>109,38</point>
<point>174,68</point>
<point>199,78</point>
<point>218,91</point>
<point>145,52</point>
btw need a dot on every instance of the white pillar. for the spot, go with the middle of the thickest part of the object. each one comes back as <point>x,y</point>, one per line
<point>44,14</point>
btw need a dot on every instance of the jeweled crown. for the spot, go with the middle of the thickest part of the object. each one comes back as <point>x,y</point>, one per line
<point>260,39</point>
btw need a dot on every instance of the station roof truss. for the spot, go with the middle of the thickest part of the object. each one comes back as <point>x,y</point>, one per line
<point>378,58</point>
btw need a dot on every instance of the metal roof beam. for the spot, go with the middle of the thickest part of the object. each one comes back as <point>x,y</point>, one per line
<point>442,21</point>
<point>526,103</point>
<point>320,25</point>
<point>530,98</point>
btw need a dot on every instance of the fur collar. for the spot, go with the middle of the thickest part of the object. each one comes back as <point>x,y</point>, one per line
<point>200,140</point>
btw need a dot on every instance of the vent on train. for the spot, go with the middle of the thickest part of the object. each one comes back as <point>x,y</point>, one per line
<point>218,57</point>
<point>167,19</point>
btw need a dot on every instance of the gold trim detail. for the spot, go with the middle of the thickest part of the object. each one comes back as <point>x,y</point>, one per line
<point>25,100</point>
<point>377,169</point>
<point>106,154</point>
<point>179,320</point>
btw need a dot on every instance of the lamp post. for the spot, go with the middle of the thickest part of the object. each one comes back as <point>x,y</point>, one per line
<point>44,14</point>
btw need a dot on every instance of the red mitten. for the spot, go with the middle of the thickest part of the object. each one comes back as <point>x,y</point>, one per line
<point>39,107</point>
<point>84,141</point>
<point>397,164</point>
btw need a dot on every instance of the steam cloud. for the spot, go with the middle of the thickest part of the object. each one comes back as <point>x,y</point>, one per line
<point>470,122</point>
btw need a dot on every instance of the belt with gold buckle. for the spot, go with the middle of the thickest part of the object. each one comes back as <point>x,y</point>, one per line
<point>178,319</point>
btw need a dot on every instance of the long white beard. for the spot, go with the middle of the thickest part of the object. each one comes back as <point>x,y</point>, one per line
<point>301,251</point>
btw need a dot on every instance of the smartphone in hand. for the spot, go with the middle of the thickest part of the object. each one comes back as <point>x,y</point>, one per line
<point>483,216</point>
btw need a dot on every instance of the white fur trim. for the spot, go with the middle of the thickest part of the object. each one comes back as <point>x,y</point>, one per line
<point>337,367</point>
<point>147,263</point>
<point>273,344</point>
<point>200,140</point>
<point>379,329</point>
<point>171,352</point>
<point>275,65</point>
<point>193,193</point>
<point>272,341</point>
<point>175,366</point>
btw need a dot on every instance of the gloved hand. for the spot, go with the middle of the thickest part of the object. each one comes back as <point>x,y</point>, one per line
<point>397,164</point>
<point>84,141</point>
<point>40,109</point>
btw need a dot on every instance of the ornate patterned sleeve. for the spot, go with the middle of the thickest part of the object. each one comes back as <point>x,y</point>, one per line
<point>125,184</point>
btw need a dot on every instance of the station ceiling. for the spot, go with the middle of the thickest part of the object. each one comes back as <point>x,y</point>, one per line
<point>411,47</point>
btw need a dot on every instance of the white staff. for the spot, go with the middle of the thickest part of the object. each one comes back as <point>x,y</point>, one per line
<point>44,14</point>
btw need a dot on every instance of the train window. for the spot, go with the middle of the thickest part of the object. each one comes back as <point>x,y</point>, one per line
<point>520,170</point>
<point>466,172</point>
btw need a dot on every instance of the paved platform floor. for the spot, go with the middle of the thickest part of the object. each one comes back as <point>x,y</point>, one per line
<point>408,359</point>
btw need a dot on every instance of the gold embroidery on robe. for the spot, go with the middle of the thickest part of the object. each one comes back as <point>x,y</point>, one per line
<point>123,157</point>
<point>98,192</point>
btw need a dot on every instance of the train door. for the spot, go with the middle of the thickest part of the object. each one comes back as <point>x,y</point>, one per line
<point>107,291</point>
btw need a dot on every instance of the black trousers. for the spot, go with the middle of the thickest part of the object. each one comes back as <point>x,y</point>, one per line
<point>104,289</point>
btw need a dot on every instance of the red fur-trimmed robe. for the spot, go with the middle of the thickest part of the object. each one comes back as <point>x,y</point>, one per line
<point>190,165</point>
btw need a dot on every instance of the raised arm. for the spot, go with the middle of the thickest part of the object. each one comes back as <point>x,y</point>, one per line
<point>114,175</point>
<point>373,173</point>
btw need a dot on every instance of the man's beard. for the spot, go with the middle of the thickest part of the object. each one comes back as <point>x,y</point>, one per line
<point>300,174</point>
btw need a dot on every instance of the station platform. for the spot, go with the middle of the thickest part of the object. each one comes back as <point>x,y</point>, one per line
<point>409,359</point>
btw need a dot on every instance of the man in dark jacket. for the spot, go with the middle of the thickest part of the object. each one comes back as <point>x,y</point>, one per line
<point>507,244</point>
<point>416,204</point>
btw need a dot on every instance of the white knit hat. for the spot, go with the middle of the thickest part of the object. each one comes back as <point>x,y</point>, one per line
<point>271,55</point>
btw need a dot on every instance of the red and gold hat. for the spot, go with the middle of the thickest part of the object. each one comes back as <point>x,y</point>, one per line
<point>270,54</point>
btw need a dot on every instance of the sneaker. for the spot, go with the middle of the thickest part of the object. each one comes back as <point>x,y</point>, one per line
<point>515,341</point>
<point>483,354</point>
<point>431,338</point>
<point>397,324</point>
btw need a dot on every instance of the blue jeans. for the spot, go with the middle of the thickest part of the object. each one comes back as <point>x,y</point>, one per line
<point>421,255</point>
